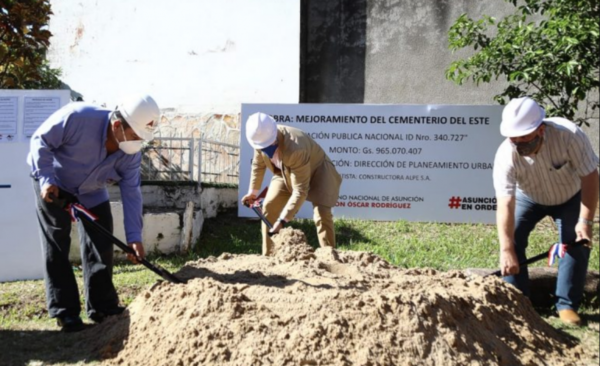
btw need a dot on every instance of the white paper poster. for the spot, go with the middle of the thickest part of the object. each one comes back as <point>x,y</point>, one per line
<point>398,162</point>
<point>36,110</point>
<point>8,119</point>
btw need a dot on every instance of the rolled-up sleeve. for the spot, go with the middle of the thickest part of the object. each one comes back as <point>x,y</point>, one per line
<point>505,180</point>
<point>581,154</point>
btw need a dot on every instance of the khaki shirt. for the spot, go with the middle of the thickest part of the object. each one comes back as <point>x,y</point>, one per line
<point>307,171</point>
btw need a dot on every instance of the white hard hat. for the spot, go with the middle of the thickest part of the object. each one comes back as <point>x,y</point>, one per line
<point>141,113</point>
<point>520,117</point>
<point>261,130</point>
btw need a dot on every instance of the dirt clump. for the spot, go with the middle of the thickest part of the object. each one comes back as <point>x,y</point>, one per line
<point>329,307</point>
<point>291,245</point>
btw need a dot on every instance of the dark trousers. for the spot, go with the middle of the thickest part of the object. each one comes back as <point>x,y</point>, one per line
<point>62,295</point>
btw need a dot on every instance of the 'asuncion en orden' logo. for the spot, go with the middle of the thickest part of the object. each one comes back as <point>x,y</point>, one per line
<point>472,203</point>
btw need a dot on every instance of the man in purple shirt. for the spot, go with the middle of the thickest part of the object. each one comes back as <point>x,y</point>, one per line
<point>77,151</point>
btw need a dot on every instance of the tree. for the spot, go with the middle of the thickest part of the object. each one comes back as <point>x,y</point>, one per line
<point>24,41</point>
<point>547,49</point>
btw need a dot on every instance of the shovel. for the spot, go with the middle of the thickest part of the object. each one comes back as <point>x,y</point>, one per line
<point>257,208</point>
<point>90,223</point>
<point>541,256</point>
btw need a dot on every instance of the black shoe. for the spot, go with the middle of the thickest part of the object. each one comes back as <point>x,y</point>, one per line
<point>99,316</point>
<point>115,311</point>
<point>70,323</point>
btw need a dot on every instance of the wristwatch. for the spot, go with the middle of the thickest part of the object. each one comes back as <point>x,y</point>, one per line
<point>585,221</point>
<point>282,221</point>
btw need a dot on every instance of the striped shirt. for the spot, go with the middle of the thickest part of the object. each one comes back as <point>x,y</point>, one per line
<point>553,175</point>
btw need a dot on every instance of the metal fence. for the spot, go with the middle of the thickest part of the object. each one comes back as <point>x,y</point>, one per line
<point>219,162</point>
<point>189,159</point>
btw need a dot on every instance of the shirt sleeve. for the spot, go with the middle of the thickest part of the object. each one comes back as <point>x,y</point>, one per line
<point>131,196</point>
<point>48,137</point>
<point>258,172</point>
<point>582,155</point>
<point>505,180</point>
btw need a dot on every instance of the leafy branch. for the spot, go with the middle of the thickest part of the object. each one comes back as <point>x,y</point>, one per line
<point>546,49</point>
<point>24,42</point>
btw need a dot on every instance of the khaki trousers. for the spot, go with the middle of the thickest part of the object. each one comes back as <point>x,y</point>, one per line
<point>276,199</point>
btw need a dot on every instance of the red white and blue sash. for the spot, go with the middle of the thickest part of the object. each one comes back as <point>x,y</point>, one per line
<point>558,250</point>
<point>75,209</point>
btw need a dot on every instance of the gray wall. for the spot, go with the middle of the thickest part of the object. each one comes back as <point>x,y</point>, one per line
<point>407,52</point>
<point>390,52</point>
<point>332,56</point>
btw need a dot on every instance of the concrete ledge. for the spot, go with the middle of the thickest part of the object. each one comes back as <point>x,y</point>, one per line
<point>173,217</point>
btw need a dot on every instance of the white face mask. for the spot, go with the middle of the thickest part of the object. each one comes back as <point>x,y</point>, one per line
<point>129,147</point>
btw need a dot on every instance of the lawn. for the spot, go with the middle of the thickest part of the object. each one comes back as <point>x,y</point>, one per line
<point>29,337</point>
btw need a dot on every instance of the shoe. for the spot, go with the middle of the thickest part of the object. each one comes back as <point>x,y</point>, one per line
<point>70,323</point>
<point>99,316</point>
<point>569,316</point>
<point>115,311</point>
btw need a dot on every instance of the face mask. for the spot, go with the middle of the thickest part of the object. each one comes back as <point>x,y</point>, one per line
<point>527,148</point>
<point>270,151</point>
<point>129,147</point>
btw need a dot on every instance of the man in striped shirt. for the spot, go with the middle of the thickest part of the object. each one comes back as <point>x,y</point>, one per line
<point>545,167</point>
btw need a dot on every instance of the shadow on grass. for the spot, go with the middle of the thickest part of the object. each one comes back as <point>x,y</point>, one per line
<point>590,318</point>
<point>229,233</point>
<point>586,317</point>
<point>94,343</point>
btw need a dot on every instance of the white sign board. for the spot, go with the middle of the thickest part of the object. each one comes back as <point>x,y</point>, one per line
<point>398,162</point>
<point>21,112</point>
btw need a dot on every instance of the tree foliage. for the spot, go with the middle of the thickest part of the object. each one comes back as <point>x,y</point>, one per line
<point>547,49</point>
<point>24,40</point>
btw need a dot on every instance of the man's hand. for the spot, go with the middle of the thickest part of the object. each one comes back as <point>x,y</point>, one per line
<point>47,191</point>
<point>248,199</point>
<point>584,231</point>
<point>139,252</point>
<point>509,264</point>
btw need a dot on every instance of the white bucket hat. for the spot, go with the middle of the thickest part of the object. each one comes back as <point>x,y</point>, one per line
<point>520,117</point>
<point>261,130</point>
<point>141,113</point>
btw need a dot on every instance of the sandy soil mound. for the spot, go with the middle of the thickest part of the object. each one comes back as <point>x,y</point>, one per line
<point>324,307</point>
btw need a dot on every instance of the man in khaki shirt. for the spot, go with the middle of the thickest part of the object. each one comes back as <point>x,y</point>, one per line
<point>301,171</point>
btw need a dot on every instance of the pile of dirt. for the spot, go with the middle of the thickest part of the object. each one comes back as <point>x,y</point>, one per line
<point>324,307</point>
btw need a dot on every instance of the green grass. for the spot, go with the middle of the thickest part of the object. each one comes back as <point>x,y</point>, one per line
<point>404,244</point>
<point>27,334</point>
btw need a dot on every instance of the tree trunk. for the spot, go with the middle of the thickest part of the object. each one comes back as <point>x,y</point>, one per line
<point>542,285</point>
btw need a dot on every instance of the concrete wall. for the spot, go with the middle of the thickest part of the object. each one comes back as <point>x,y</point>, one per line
<point>173,216</point>
<point>192,55</point>
<point>391,52</point>
<point>386,51</point>
<point>210,56</point>
<point>407,51</point>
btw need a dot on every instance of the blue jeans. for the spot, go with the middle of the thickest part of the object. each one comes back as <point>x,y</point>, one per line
<point>572,268</point>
